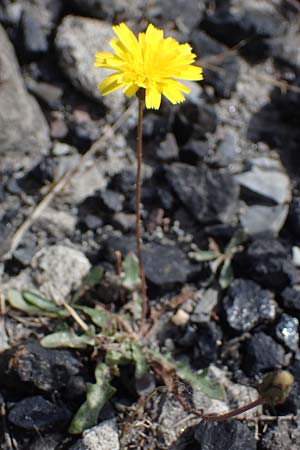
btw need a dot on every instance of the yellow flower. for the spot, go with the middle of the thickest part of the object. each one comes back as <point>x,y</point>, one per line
<point>149,62</point>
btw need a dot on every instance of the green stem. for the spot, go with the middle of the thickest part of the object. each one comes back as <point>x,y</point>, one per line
<point>138,213</point>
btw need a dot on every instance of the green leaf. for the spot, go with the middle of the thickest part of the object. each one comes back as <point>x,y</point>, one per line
<point>119,354</point>
<point>91,279</point>
<point>237,239</point>
<point>97,395</point>
<point>226,274</point>
<point>100,318</point>
<point>16,300</point>
<point>67,339</point>
<point>131,279</point>
<point>198,380</point>
<point>138,357</point>
<point>37,299</point>
<point>204,255</point>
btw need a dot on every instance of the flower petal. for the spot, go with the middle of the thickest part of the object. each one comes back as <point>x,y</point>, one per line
<point>153,97</point>
<point>110,84</point>
<point>151,62</point>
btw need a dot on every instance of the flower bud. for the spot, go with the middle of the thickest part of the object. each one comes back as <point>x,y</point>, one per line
<point>275,387</point>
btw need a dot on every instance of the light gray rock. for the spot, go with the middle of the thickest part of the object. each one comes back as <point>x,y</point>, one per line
<point>45,12</point>
<point>206,302</point>
<point>56,223</point>
<point>58,269</point>
<point>258,219</point>
<point>266,180</point>
<point>77,41</point>
<point>23,126</point>
<point>283,436</point>
<point>101,437</point>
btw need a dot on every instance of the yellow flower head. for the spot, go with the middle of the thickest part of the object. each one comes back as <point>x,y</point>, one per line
<point>149,62</point>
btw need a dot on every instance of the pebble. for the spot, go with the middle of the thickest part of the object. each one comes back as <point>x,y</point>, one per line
<point>259,22</point>
<point>34,41</point>
<point>165,265</point>
<point>59,269</point>
<point>180,318</point>
<point>104,436</point>
<point>194,152</point>
<point>194,118</point>
<point>290,298</point>
<point>265,181</point>
<point>226,151</point>
<point>207,301</point>
<point>267,262</point>
<point>261,353</point>
<point>210,196</point>
<point>29,367</point>
<point>259,220</point>
<point>282,436</point>
<point>224,81</point>
<point>231,434</point>
<point>247,304</point>
<point>287,332</point>
<point>77,41</point>
<point>37,413</point>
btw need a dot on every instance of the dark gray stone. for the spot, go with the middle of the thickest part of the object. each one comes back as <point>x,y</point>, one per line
<point>110,9</point>
<point>164,265</point>
<point>210,196</point>
<point>32,368</point>
<point>224,81</point>
<point>256,25</point>
<point>261,353</point>
<point>247,304</point>
<point>194,152</point>
<point>290,298</point>
<point>229,435</point>
<point>47,442</point>
<point>201,342</point>
<point>267,261</point>
<point>36,413</point>
<point>193,120</point>
<point>35,41</point>
<point>188,15</point>
<point>294,215</point>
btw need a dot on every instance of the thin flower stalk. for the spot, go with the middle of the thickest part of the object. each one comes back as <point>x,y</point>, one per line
<point>149,66</point>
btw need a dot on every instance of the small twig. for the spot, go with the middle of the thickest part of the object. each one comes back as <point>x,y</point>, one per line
<point>62,183</point>
<point>59,301</point>
<point>76,316</point>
